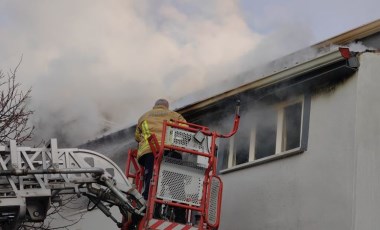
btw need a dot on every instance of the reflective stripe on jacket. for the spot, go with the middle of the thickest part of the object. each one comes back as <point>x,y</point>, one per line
<point>152,122</point>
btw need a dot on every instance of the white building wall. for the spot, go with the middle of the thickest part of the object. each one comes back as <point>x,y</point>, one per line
<point>335,184</point>
<point>313,190</point>
<point>367,144</point>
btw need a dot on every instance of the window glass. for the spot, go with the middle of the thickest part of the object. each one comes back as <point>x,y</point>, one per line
<point>223,154</point>
<point>241,144</point>
<point>266,129</point>
<point>292,126</point>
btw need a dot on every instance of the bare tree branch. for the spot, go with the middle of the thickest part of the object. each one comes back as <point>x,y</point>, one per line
<point>14,125</point>
<point>55,213</point>
<point>14,113</point>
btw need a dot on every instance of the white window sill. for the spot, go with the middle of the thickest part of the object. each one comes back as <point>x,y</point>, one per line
<point>264,160</point>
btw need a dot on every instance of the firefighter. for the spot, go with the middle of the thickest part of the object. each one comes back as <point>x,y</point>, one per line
<point>150,123</point>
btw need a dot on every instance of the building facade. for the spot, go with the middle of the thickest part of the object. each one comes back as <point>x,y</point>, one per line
<point>307,154</point>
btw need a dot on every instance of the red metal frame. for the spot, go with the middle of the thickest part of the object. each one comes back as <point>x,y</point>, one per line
<point>138,175</point>
<point>158,151</point>
<point>219,203</point>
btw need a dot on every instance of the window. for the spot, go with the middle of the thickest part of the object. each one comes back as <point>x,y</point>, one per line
<point>292,126</point>
<point>265,134</point>
<point>270,131</point>
<point>241,147</point>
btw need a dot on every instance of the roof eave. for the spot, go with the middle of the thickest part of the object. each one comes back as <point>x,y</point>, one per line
<point>282,75</point>
<point>351,35</point>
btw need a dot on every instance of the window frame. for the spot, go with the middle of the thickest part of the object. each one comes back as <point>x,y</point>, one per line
<point>280,137</point>
<point>279,107</point>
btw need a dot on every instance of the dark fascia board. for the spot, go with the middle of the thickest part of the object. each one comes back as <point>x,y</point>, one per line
<point>312,82</point>
<point>284,75</point>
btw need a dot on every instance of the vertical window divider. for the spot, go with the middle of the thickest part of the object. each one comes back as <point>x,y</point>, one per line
<point>280,127</point>
<point>232,155</point>
<point>305,121</point>
<point>252,145</point>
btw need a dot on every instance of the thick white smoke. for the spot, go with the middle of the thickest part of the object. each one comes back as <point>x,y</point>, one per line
<point>97,65</point>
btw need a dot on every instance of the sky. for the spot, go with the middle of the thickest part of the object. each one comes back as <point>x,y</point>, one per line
<point>98,65</point>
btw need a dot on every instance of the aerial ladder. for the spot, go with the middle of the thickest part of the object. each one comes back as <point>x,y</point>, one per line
<point>33,179</point>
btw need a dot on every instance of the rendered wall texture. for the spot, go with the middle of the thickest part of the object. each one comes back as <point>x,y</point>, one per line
<point>313,190</point>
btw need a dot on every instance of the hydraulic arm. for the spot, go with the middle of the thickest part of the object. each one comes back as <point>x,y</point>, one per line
<point>31,178</point>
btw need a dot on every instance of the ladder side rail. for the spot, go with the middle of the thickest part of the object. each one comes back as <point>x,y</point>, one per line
<point>139,170</point>
<point>137,176</point>
<point>208,183</point>
<point>131,160</point>
<point>128,172</point>
<point>157,151</point>
<point>209,170</point>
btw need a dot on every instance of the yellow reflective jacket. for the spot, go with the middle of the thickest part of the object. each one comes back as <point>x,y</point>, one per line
<point>152,122</point>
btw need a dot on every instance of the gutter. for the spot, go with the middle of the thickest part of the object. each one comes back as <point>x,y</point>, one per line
<point>286,74</point>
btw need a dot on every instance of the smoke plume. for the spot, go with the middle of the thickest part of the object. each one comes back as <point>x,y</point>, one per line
<point>96,66</point>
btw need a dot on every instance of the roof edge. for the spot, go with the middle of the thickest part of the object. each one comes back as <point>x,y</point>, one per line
<point>285,74</point>
<point>351,35</point>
